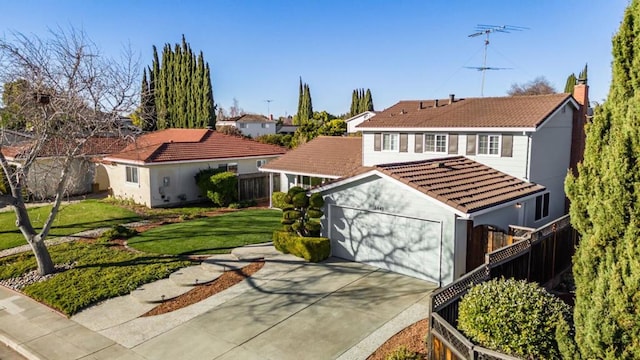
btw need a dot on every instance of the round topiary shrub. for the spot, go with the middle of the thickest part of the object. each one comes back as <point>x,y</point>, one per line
<point>278,200</point>
<point>517,318</point>
<point>291,214</point>
<point>300,200</point>
<point>314,213</point>
<point>313,227</point>
<point>316,201</point>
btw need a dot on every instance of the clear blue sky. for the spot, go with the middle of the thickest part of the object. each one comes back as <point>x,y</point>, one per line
<point>401,49</point>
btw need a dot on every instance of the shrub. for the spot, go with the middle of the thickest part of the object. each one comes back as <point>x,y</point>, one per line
<point>300,212</point>
<point>277,200</point>
<point>312,249</point>
<point>117,232</point>
<point>518,318</point>
<point>221,187</point>
<point>402,353</point>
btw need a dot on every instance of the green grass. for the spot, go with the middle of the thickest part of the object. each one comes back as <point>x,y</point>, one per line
<point>102,272</point>
<point>213,235</point>
<point>71,219</point>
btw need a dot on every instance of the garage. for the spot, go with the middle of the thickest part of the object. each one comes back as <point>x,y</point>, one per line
<point>406,245</point>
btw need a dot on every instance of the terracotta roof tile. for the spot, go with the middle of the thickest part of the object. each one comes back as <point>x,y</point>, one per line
<point>211,145</point>
<point>324,155</point>
<point>500,112</point>
<point>461,182</point>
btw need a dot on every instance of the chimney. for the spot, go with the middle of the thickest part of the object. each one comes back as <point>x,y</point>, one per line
<point>580,118</point>
<point>271,117</point>
<point>420,106</point>
<point>452,98</point>
<point>435,103</point>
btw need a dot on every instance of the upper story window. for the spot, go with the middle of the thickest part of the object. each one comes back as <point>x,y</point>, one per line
<point>436,143</point>
<point>260,162</point>
<point>132,175</point>
<point>390,142</point>
<point>489,145</point>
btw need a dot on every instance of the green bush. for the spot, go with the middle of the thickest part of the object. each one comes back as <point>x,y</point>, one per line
<point>517,318</point>
<point>300,212</point>
<point>314,213</point>
<point>316,201</point>
<point>312,249</point>
<point>221,188</point>
<point>402,353</point>
<point>117,232</point>
<point>277,200</point>
<point>300,200</point>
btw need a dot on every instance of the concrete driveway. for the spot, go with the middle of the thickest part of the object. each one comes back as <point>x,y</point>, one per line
<point>301,311</point>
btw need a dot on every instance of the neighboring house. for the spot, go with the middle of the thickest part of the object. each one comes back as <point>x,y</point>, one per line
<point>11,137</point>
<point>286,127</point>
<point>251,124</point>
<point>44,174</point>
<point>323,159</point>
<point>159,168</point>
<point>354,121</point>
<point>445,175</point>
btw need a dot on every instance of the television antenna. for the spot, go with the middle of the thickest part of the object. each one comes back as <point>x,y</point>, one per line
<point>269,101</point>
<point>482,29</point>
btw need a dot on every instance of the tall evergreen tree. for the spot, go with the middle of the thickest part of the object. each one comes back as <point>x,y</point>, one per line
<point>368,101</point>
<point>353,111</point>
<point>180,89</point>
<point>305,107</point>
<point>605,209</point>
<point>571,83</point>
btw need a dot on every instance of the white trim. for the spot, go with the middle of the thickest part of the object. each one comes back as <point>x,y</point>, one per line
<point>397,141</point>
<point>445,129</point>
<point>506,204</point>
<point>138,162</point>
<point>291,172</point>
<point>488,154</point>
<point>435,143</point>
<point>569,100</point>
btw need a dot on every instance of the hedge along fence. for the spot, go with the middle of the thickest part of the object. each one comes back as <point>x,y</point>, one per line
<point>312,249</point>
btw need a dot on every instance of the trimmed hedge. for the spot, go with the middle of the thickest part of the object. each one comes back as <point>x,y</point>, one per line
<point>277,200</point>
<point>518,318</point>
<point>312,249</point>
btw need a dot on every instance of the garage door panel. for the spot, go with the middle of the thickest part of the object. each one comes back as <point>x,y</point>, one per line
<point>400,244</point>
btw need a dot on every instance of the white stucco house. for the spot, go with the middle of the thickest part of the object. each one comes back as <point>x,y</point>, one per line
<point>354,121</point>
<point>434,175</point>
<point>252,125</point>
<point>159,168</point>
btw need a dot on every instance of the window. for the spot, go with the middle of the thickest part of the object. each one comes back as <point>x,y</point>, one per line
<point>243,125</point>
<point>390,142</point>
<point>542,206</point>
<point>259,163</point>
<point>233,167</point>
<point>436,143</point>
<point>265,125</point>
<point>132,174</point>
<point>307,182</point>
<point>489,144</point>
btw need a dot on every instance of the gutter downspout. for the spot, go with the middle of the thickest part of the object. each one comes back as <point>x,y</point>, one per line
<point>270,190</point>
<point>441,249</point>
<point>527,163</point>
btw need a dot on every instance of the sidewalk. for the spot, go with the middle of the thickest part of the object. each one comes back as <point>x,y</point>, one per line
<point>37,332</point>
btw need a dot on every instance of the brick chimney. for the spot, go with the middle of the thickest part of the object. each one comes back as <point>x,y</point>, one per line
<point>581,95</point>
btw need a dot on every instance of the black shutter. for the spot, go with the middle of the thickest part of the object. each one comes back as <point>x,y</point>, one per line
<point>507,146</point>
<point>545,208</point>
<point>471,144</point>
<point>404,142</point>
<point>377,142</point>
<point>538,207</point>
<point>453,144</point>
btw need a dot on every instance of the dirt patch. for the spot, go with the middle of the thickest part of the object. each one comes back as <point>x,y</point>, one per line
<point>412,337</point>
<point>201,292</point>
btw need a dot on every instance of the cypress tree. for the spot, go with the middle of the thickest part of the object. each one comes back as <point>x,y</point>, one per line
<point>571,83</point>
<point>368,101</point>
<point>353,111</point>
<point>181,88</point>
<point>605,210</point>
<point>583,73</point>
<point>305,107</point>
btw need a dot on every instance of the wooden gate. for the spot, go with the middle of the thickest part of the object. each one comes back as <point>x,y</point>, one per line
<point>253,187</point>
<point>483,240</point>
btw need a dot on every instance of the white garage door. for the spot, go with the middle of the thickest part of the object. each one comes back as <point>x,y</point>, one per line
<point>400,244</point>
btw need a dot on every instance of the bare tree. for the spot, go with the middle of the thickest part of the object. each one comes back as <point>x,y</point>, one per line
<point>235,109</point>
<point>73,94</point>
<point>538,86</point>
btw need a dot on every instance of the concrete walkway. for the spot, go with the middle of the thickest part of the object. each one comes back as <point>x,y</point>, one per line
<point>290,309</point>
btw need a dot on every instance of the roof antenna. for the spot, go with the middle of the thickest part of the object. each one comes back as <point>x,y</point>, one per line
<point>486,30</point>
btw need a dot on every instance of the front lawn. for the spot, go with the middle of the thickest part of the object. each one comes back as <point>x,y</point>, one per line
<point>101,272</point>
<point>72,218</point>
<point>213,235</point>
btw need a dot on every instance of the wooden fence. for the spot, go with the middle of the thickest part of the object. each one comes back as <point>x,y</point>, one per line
<point>539,257</point>
<point>253,187</point>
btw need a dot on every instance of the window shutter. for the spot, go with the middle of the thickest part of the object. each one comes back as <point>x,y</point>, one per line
<point>471,144</point>
<point>453,144</point>
<point>507,146</point>
<point>418,143</point>
<point>377,142</point>
<point>404,142</point>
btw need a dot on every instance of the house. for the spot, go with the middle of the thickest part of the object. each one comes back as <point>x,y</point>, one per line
<point>159,168</point>
<point>354,121</point>
<point>439,179</point>
<point>286,126</point>
<point>44,173</point>
<point>251,124</point>
<point>323,159</point>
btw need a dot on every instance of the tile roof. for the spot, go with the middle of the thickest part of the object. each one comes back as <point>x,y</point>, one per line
<point>460,182</point>
<point>324,155</point>
<point>499,112</point>
<point>251,118</point>
<point>192,144</point>
<point>97,145</point>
